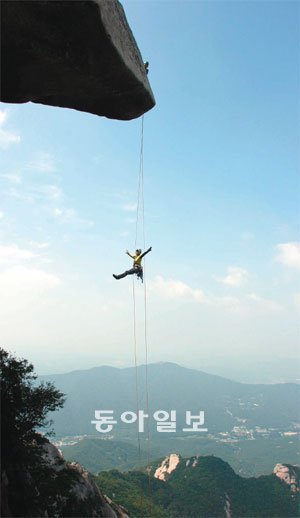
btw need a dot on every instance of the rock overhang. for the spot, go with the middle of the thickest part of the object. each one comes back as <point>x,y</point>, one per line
<point>78,54</point>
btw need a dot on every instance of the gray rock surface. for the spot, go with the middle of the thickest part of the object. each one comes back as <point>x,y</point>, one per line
<point>77,54</point>
<point>53,487</point>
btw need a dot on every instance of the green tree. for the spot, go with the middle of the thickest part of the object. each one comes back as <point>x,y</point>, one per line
<point>24,407</point>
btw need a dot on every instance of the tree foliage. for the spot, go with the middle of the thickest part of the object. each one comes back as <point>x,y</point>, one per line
<point>201,490</point>
<point>24,406</point>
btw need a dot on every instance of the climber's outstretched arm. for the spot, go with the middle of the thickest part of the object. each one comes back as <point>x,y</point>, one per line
<point>147,251</point>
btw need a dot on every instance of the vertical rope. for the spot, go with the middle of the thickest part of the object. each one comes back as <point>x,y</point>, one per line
<point>136,370</point>
<point>133,295</point>
<point>145,306</point>
<point>134,303</point>
<point>139,183</point>
<point>141,206</point>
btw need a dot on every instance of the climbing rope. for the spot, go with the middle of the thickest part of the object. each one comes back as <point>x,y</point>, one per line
<point>133,290</point>
<point>140,187</point>
<point>145,305</point>
<point>141,208</point>
<point>136,369</point>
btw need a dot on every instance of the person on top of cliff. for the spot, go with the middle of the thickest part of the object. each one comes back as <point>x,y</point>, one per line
<point>137,264</point>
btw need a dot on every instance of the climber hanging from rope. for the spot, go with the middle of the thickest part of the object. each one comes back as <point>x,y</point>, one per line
<point>137,264</point>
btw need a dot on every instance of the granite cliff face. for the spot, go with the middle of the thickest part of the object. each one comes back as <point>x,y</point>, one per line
<point>53,487</point>
<point>77,54</point>
<point>167,466</point>
<point>289,475</point>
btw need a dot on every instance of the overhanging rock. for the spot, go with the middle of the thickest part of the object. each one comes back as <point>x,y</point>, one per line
<point>78,54</point>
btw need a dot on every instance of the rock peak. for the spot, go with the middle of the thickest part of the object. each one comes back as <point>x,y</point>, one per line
<point>168,465</point>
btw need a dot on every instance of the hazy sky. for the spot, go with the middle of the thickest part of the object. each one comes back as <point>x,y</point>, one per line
<point>221,195</point>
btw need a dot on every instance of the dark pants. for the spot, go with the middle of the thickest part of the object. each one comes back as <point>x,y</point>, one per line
<point>132,271</point>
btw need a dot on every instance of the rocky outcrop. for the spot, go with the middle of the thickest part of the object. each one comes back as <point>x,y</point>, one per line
<point>52,456</point>
<point>120,510</point>
<point>227,506</point>
<point>288,474</point>
<point>50,486</point>
<point>77,54</point>
<point>167,466</point>
<point>86,488</point>
<point>171,462</point>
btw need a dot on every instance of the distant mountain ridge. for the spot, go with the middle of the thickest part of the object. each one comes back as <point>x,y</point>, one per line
<point>226,403</point>
<point>247,458</point>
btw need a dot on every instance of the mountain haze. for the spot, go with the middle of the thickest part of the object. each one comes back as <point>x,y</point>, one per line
<point>226,403</point>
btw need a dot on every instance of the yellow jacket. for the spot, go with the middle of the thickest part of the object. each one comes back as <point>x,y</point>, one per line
<point>137,259</point>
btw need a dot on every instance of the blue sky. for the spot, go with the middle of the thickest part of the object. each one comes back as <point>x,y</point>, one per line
<point>221,196</point>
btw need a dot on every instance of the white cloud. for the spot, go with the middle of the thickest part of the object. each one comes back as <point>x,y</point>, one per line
<point>129,207</point>
<point>21,277</point>
<point>20,195</point>
<point>265,305</point>
<point>39,245</point>
<point>6,137</point>
<point>12,177</point>
<point>20,283</point>
<point>236,276</point>
<point>289,254</point>
<point>3,117</point>
<point>70,215</point>
<point>1,214</point>
<point>12,253</point>
<point>66,214</point>
<point>296,298</point>
<point>20,286</point>
<point>37,194</point>
<point>232,304</point>
<point>246,306</point>
<point>52,192</point>
<point>175,289</point>
<point>43,163</point>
